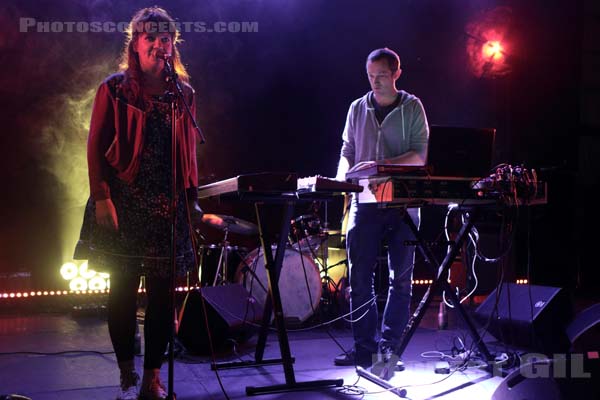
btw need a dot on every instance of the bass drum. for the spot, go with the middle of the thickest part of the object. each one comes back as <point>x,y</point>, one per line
<point>299,282</point>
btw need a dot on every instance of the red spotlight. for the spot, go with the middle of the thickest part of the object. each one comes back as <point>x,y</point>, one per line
<point>490,43</point>
<point>493,50</point>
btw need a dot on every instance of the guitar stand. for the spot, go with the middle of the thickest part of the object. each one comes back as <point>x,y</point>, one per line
<point>440,284</point>
<point>273,304</point>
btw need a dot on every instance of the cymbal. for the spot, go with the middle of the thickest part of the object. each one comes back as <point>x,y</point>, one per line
<point>230,224</point>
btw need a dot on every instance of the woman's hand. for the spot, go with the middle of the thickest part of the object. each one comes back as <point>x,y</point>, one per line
<point>214,220</point>
<point>196,213</point>
<point>106,214</point>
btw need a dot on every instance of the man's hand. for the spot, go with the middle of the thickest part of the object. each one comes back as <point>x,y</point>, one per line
<point>362,165</point>
<point>343,166</point>
<point>106,214</point>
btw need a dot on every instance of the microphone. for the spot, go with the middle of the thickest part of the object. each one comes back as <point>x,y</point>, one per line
<point>166,57</point>
<point>163,55</point>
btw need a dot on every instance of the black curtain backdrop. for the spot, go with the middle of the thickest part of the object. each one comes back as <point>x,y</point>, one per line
<point>276,100</point>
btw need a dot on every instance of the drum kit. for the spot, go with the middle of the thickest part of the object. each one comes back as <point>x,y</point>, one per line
<point>303,278</point>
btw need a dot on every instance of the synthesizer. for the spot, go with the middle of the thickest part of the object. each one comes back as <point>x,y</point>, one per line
<point>441,190</point>
<point>317,184</point>
<point>257,183</point>
<point>275,183</point>
<point>370,170</point>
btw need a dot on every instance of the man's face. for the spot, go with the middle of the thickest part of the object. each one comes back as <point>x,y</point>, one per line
<point>150,48</point>
<point>381,77</point>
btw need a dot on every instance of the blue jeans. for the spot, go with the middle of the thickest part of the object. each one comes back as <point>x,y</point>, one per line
<point>368,225</point>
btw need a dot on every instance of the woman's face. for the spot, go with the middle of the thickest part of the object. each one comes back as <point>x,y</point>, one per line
<point>151,48</point>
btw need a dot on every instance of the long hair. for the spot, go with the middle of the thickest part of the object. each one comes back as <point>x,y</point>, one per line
<point>150,19</point>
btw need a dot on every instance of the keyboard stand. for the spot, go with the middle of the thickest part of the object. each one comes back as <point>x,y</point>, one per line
<point>439,284</point>
<point>273,304</point>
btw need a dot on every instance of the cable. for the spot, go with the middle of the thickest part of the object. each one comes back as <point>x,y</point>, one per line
<point>367,303</point>
<point>326,324</point>
<point>203,302</point>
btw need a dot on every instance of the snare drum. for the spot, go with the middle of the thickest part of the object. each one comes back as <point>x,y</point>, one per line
<point>299,282</point>
<point>306,232</point>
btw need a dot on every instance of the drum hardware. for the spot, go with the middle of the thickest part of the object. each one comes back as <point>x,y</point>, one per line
<point>309,235</point>
<point>218,262</point>
<point>299,282</point>
<point>306,232</point>
<point>227,224</point>
<point>222,264</point>
<point>244,269</point>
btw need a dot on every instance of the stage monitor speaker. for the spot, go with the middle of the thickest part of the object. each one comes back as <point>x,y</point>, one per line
<point>522,386</point>
<point>231,312</point>
<point>528,316</point>
<point>584,330</point>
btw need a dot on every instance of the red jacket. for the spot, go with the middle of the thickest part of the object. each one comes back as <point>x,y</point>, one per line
<point>116,139</point>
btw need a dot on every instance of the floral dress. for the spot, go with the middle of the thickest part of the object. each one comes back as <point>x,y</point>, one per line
<point>143,242</point>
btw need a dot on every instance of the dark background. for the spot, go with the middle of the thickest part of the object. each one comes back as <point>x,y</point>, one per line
<point>276,100</point>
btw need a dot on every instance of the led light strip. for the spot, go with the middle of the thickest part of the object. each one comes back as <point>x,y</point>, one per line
<point>42,293</point>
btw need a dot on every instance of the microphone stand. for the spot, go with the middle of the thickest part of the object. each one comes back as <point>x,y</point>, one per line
<point>178,94</point>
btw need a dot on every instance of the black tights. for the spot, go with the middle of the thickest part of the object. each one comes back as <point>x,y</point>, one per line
<point>122,309</point>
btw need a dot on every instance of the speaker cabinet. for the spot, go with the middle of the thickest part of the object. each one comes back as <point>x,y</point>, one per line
<point>521,386</point>
<point>231,312</point>
<point>584,330</point>
<point>528,316</point>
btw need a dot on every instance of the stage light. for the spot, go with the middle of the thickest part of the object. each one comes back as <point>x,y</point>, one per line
<point>490,44</point>
<point>81,277</point>
<point>493,50</point>
<point>81,281</point>
<point>97,283</point>
<point>78,284</point>
<point>84,272</point>
<point>69,271</point>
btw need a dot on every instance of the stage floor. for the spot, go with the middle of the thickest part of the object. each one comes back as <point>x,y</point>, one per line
<point>68,356</point>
